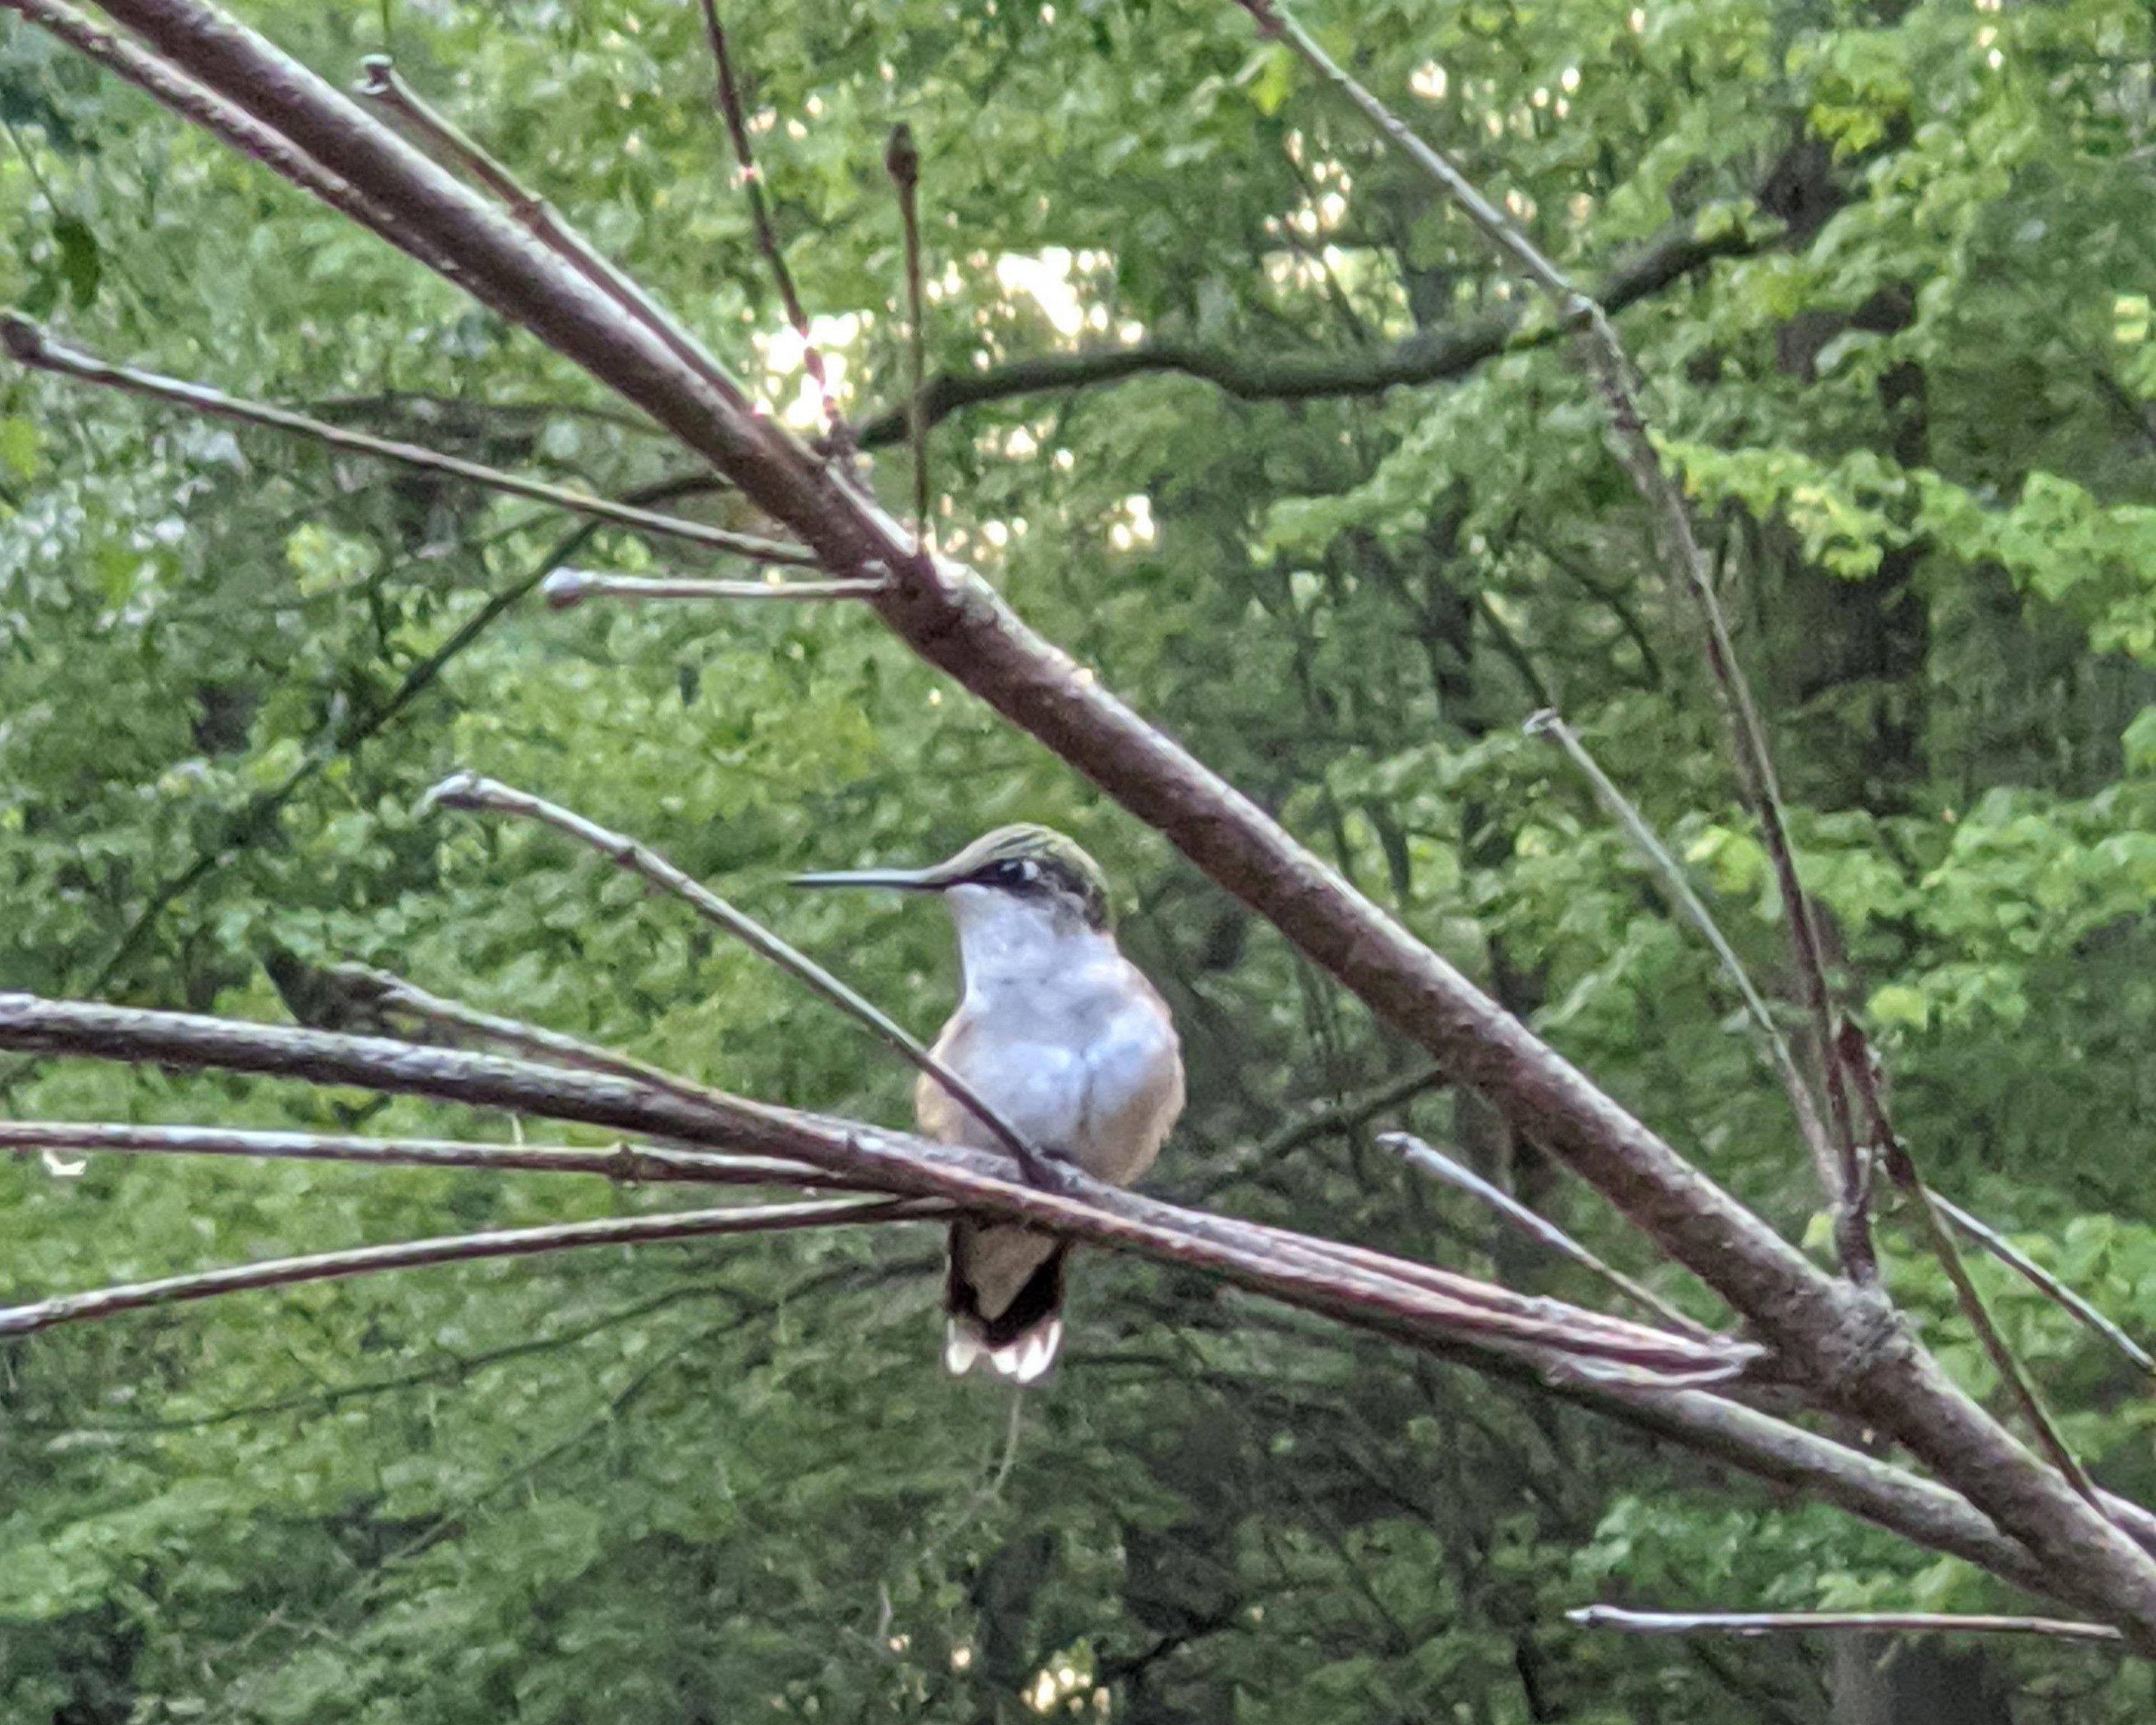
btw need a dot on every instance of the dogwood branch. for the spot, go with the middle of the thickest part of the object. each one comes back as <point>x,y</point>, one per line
<point>625,1163</point>
<point>565,588</point>
<point>450,1249</point>
<point>1841,1342</point>
<point>1779,1623</point>
<point>1770,1448</point>
<point>380,83</point>
<point>1326,1275</point>
<point>1679,888</point>
<point>30,345</point>
<point>1902,1169</point>
<point>2003,1248</point>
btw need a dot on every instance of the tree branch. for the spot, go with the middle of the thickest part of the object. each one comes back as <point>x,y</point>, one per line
<point>1428,1160</point>
<point>1770,1623</point>
<point>28,345</point>
<point>1366,1286</point>
<point>448,1249</point>
<point>1770,1448</point>
<point>634,1165</point>
<point>1855,1055</point>
<point>468,790</point>
<point>1430,355</point>
<point>380,83</point>
<point>2003,1248</point>
<point>565,588</point>
<point>1678,888</point>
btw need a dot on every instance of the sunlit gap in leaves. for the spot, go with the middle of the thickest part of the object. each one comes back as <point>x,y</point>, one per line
<point>1065,1685</point>
<point>1053,280</point>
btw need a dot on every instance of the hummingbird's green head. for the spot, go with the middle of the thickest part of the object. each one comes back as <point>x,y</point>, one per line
<point>1035,864</point>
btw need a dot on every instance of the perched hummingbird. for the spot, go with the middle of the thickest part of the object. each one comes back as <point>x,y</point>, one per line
<point>1062,1036</point>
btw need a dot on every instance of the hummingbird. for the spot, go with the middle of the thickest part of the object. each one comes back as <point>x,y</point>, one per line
<point>1063,1037</point>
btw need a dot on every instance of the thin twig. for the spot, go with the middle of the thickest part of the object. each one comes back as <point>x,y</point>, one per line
<point>358,997</point>
<point>1427,1159</point>
<point>450,1249</point>
<point>468,791</point>
<point>1753,759</point>
<point>736,116</point>
<point>1340,1115</point>
<point>629,1164</point>
<point>1855,1052</point>
<point>457,149</point>
<point>1771,1623</point>
<point>901,160</point>
<point>30,346</point>
<point>2003,1248</point>
<point>567,588</point>
<point>1678,885</point>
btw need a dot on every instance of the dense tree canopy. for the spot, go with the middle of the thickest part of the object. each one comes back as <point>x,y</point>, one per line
<point>1233,408</point>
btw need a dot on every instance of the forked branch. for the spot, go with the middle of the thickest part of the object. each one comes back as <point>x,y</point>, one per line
<point>1486,1327</point>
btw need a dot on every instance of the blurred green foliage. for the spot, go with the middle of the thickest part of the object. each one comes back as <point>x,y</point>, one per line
<point>1916,410</point>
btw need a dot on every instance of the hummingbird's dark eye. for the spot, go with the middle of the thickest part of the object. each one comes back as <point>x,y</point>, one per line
<point>1015,872</point>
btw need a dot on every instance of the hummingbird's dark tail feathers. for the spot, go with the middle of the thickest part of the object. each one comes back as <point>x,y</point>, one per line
<point>1018,1335</point>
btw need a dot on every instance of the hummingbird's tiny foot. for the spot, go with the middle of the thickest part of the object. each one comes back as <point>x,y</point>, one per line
<point>1050,1172</point>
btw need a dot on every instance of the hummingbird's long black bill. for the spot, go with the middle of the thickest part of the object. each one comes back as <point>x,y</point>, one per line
<point>898,879</point>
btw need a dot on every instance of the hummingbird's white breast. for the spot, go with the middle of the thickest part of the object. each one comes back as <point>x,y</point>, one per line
<point>1061,1034</point>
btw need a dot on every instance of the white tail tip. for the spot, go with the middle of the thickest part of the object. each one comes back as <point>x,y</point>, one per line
<point>1024,1361</point>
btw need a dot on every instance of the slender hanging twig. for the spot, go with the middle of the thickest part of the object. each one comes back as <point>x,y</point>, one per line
<point>30,346</point>
<point>901,160</point>
<point>736,116</point>
<point>452,1248</point>
<point>468,791</point>
<point>1753,759</point>
<point>1772,1623</point>
<point>1679,887</point>
<point>565,588</point>
<point>1426,1158</point>
<point>2003,1248</point>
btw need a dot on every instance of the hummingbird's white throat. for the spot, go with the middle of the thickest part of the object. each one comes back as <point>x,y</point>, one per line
<point>1008,941</point>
